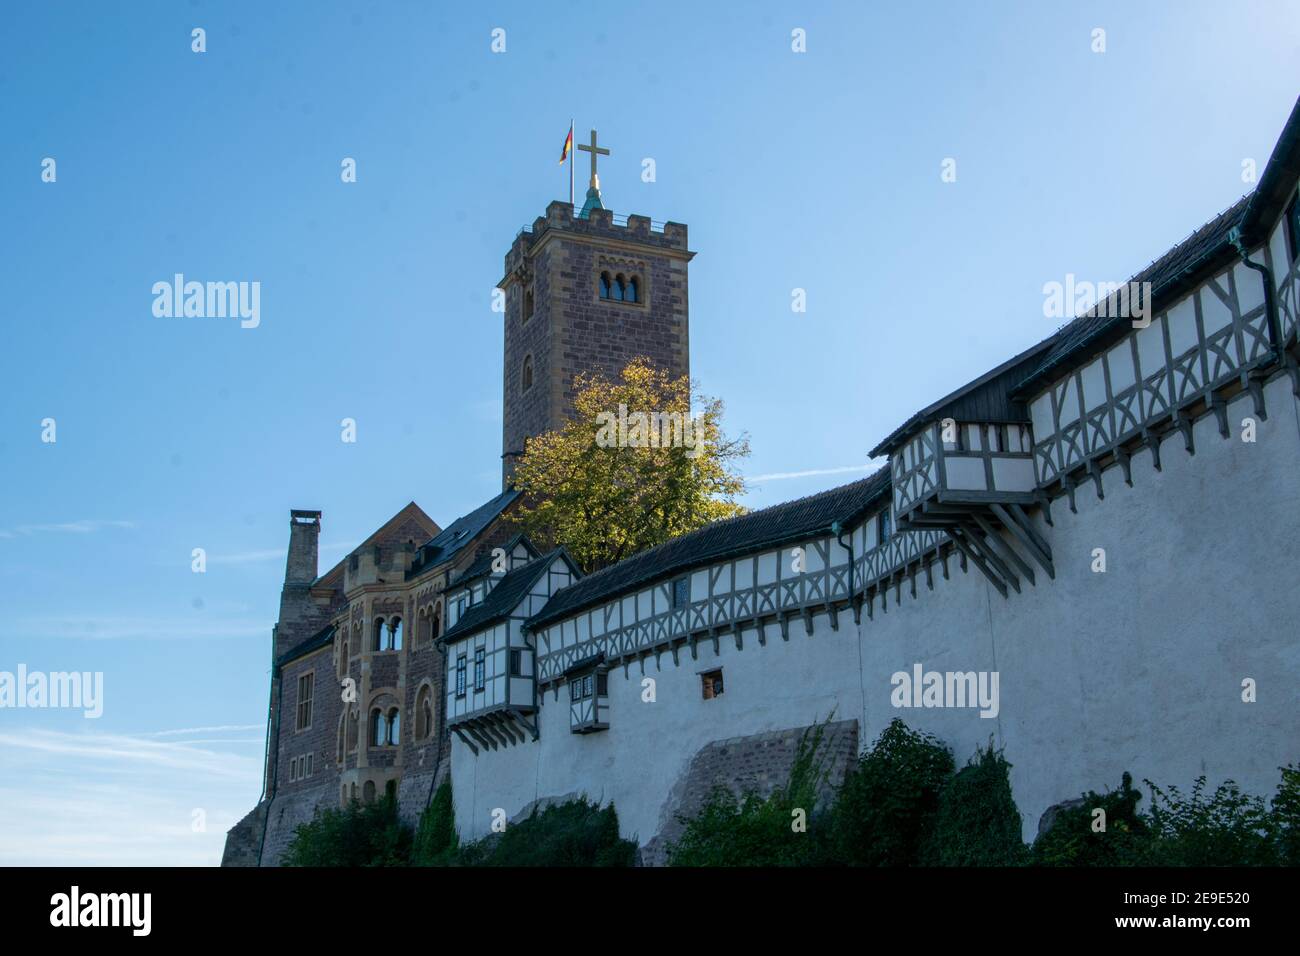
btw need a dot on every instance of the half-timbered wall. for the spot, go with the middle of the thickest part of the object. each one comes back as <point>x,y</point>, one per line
<point>1207,340</point>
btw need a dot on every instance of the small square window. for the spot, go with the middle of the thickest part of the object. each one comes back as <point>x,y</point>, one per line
<point>516,662</point>
<point>711,682</point>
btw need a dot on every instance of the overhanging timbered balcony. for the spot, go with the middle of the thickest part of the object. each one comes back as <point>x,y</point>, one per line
<point>974,480</point>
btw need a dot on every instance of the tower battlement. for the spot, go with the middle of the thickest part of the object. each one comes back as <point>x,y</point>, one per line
<point>587,292</point>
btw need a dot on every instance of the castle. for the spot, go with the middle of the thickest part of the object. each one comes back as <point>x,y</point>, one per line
<point>1087,554</point>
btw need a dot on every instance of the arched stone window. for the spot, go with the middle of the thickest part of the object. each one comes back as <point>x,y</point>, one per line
<point>354,720</point>
<point>437,620</point>
<point>605,284</point>
<point>378,643</point>
<point>619,290</point>
<point>343,658</point>
<point>528,304</point>
<point>394,727</point>
<point>343,733</point>
<point>527,377</point>
<point>378,728</point>
<point>424,713</point>
<point>395,634</point>
<point>633,291</point>
<point>368,791</point>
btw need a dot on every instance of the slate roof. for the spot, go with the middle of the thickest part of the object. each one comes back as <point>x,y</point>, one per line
<point>504,598</point>
<point>448,542</point>
<point>318,640</point>
<point>758,530</point>
<point>483,563</point>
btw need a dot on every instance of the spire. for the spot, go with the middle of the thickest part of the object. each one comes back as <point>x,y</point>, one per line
<point>593,188</point>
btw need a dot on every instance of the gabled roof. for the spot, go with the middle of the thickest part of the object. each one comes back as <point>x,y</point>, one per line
<point>506,596</point>
<point>759,530</point>
<point>987,399</point>
<point>1206,251</point>
<point>318,640</point>
<point>450,541</point>
<point>483,563</point>
<point>333,577</point>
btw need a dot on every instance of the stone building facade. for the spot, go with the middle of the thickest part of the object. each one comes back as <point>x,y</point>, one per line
<point>1103,529</point>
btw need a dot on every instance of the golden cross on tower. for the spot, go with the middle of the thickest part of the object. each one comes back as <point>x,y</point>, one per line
<point>595,151</point>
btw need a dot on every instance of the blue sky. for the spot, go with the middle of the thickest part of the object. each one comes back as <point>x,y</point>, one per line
<point>818,170</point>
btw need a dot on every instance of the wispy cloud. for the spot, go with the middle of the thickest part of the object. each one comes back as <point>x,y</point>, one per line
<point>94,798</point>
<point>815,472</point>
<point>203,730</point>
<point>65,527</point>
<point>108,628</point>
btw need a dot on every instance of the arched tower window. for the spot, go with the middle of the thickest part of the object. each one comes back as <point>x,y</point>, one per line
<point>424,713</point>
<point>368,791</point>
<point>395,634</point>
<point>528,373</point>
<point>633,291</point>
<point>378,643</point>
<point>394,727</point>
<point>620,286</point>
<point>605,285</point>
<point>378,728</point>
<point>528,304</point>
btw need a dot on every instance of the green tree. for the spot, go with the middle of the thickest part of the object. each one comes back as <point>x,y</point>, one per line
<point>977,823</point>
<point>888,802</point>
<point>435,838</point>
<point>356,835</point>
<point>605,491</point>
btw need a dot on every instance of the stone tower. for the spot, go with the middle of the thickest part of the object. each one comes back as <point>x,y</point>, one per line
<point>583,293</point>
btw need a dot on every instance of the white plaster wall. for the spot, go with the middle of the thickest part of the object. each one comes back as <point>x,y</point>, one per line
<point>1136,669</point>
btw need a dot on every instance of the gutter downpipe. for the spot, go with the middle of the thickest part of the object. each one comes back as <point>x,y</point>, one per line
<point>1270,304</point>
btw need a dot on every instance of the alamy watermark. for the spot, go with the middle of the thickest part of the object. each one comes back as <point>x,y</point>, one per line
<point>209,300</point>
<point>1119,300</point>
<point>58,689</point>
<point>650,430</point>
<point>922,688</point>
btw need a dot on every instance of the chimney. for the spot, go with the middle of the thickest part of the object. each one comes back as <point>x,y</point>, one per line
<point>304,540</point>
<point>300,616</point>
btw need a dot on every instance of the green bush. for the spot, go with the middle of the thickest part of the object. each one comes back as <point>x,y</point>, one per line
<point>1072,841</point>
<point>977,823</point>
<point>574,833</point>
<point>760,831</point>
<point>436,843</point>
<point>887,805</point>
<point>1229,828</point>
<point>357,835</point>
<point>1286,816</point>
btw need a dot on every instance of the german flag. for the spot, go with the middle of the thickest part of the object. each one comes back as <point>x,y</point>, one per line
<point>568,146</point>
